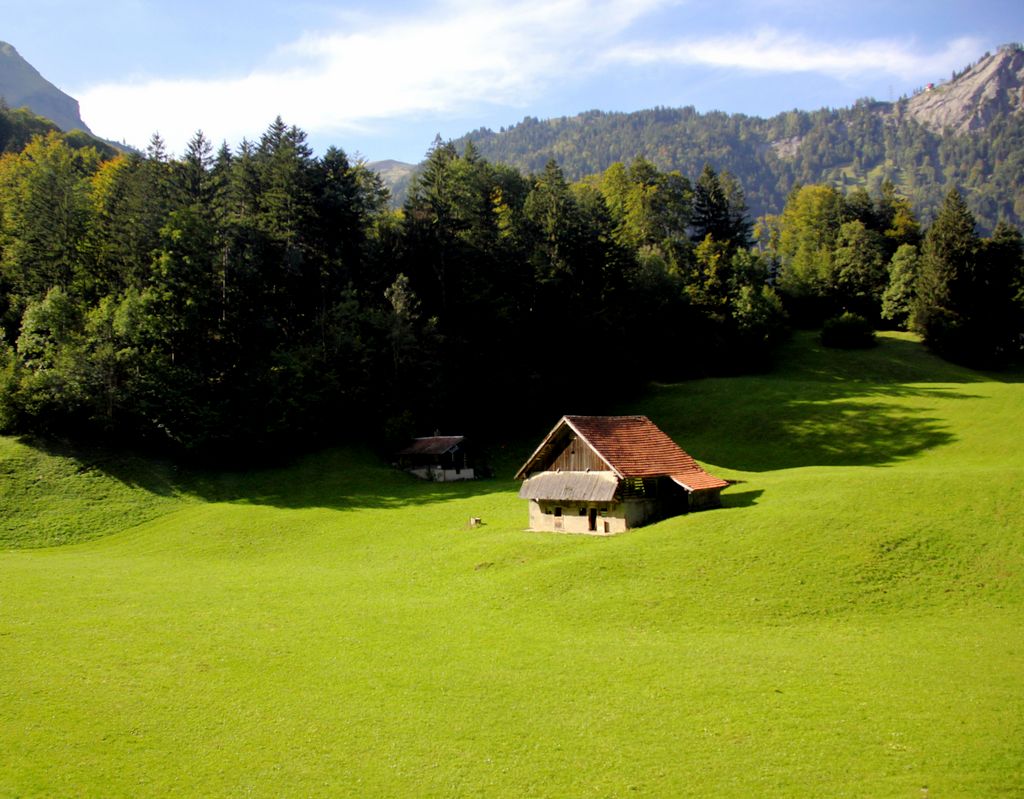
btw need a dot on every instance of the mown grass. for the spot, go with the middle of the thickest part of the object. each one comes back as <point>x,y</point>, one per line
<point>53,494</point>
<point>848,625</point>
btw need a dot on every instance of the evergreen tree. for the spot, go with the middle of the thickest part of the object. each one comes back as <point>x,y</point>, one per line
<point>948,263</point>
<point>45,215</point>
<point>194,171</point>
<point>859,273</point>
<point>996,304</point>
<point>557,224</point>
<point>712,214</point>
<point>738,224</point>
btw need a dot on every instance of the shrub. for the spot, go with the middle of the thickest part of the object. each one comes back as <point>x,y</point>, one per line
<point>848,331</point>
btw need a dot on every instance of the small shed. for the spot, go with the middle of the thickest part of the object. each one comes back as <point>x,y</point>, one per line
<point>607,474</point>
<point>440,458</point>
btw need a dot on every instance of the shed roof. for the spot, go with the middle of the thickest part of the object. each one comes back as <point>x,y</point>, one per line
<point>632,446</point>
<point>571,486</point>
<point>432,445</point>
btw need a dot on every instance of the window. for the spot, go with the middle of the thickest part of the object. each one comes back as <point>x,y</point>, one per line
<point>583,511</point>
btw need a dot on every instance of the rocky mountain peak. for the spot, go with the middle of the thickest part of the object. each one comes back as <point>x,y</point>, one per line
<point>22,85</point>
<point>992,86</point>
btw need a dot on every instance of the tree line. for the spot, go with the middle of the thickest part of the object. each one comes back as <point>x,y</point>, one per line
<point>246,300</point>
<point>963,293</point>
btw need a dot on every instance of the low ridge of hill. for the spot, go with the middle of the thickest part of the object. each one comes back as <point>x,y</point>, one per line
<point>22,85</point>
<point>967,132</point>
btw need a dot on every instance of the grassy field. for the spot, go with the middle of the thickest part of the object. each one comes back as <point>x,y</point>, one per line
<point>849,625</point>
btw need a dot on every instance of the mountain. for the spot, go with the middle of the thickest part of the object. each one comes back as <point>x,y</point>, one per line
<point>975,98</point>
<point>391,171</point>
<point>22,85</point>
<point>396,176</point>
<point>967,132</point>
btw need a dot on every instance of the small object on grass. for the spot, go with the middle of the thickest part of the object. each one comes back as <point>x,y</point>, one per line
<point>475,521</point>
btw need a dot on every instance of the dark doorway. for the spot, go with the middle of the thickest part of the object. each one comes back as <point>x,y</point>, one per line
<point>593,520</point>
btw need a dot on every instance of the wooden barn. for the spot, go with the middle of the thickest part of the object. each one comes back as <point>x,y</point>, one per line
<point>440,458</point>
<point>606,474</point>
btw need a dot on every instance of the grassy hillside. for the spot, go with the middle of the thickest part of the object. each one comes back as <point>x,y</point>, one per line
<point>52,494</point>
<point>848,625</point>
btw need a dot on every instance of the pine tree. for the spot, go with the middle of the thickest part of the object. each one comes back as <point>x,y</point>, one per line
<point>859,274</point>
<point>944,285</point>
<point>45,214</point>
<point>711,212</point>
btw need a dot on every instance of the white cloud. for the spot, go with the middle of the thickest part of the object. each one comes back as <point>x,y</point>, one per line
<point>457,56</point>
<point>772,51</point>
<point>461,53</point>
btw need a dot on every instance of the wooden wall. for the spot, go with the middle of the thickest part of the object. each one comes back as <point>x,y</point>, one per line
<point>577,456</point>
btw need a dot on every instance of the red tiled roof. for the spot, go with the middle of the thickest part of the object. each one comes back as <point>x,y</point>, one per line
<point>699,480</point>
<point>635,447</point>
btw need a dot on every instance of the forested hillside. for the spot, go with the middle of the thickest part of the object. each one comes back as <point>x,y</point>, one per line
<point>19,125</point>
<point>966,134</point>
<point>264,297</point>
<point>244,301</point>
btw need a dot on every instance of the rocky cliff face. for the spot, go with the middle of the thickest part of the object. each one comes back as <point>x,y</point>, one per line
<point>968,103</point>
<point>21,85</point>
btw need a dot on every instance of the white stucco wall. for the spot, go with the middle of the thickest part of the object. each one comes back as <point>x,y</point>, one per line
<point>442,475</point>
<point>542,517</point>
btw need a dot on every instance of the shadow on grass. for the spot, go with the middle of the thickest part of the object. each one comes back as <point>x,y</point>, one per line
<point>340,479</point>
<point>741,499</point>
<point>820,408</point>
<point>149,474</point>
<point>898,359</point>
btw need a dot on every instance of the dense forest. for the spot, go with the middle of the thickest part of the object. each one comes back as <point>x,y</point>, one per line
<point>863,145</point>
<point>253,299</point>
<point>847,147</point>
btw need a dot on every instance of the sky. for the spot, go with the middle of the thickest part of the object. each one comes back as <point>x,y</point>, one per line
<point>381,79</point>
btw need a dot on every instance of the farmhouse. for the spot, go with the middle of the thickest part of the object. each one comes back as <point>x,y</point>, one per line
<point>440,458</point>
<point>606,474</point>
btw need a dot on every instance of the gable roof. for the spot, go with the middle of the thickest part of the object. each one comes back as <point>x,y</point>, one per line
<point>632,446</point>
<point>432,445</point>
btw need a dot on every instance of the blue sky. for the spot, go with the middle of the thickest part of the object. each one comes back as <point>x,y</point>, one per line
<point>379,79</point>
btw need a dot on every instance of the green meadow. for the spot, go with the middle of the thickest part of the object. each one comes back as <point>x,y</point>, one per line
<point>850,624</point>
